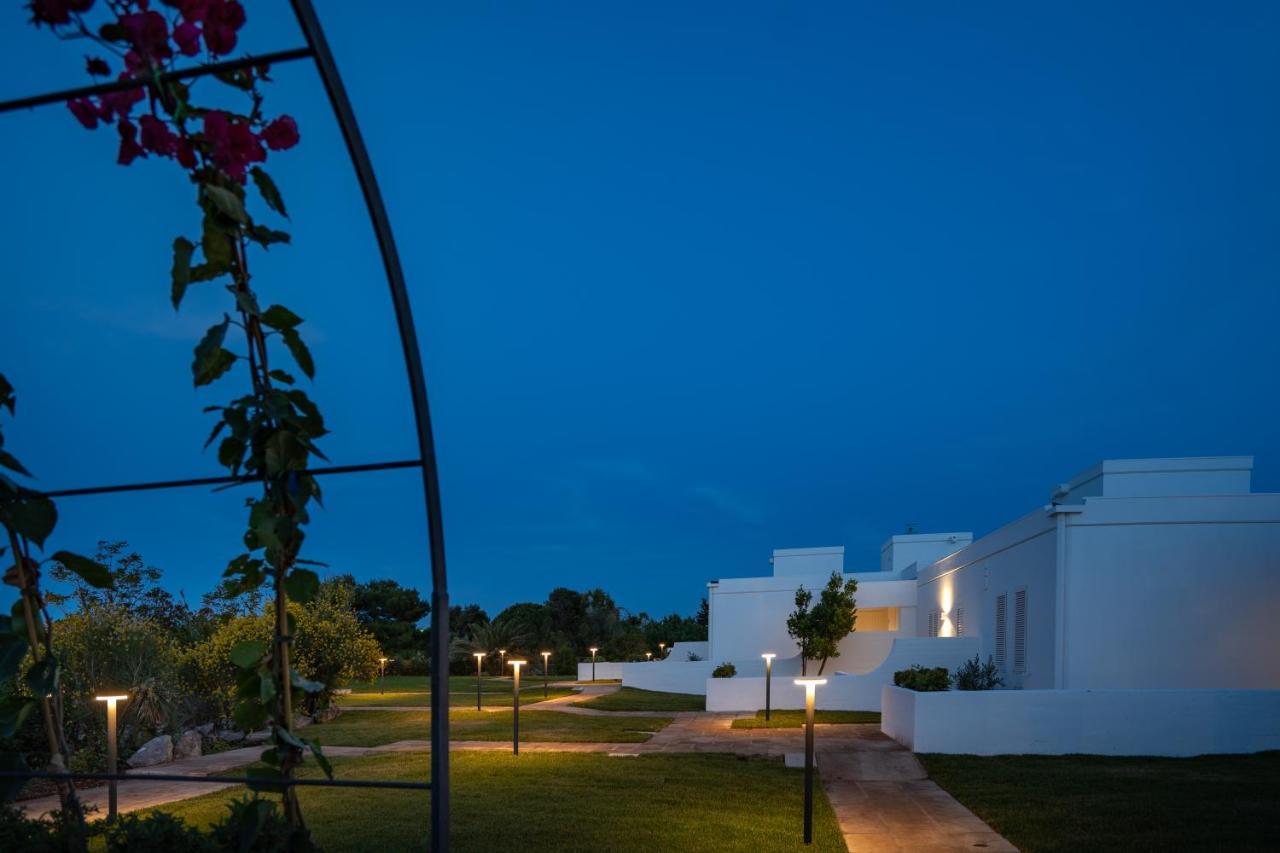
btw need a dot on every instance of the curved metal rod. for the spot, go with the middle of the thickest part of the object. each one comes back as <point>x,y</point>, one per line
<point>314,35</point>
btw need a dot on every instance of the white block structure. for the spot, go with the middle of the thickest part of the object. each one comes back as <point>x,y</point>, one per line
<point>1141,579</point>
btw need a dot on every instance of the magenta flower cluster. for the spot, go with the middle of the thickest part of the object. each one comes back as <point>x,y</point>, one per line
<point>230,142</point>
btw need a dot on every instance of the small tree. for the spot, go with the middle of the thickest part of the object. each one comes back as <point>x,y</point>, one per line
<point>818,629</point>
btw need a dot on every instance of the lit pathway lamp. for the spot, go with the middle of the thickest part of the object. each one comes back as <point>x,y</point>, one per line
<point>648,656</point>
<point>768,680</point>
<point>479,656</point>
<point>111,749</point>
<point>502,661</point>
<point>810,688</point>
<point>546,656</point>
<point>515,704</point>
<point>593,651</point>
<point>662,649</point>
<point>382,674</point>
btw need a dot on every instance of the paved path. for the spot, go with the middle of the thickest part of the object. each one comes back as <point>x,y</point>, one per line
<point>881,795</point>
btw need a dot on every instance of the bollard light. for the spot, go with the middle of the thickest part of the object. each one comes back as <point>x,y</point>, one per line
<point>502,661</point>
<point>515,704</point>
<point>811,686</point>
<point>662,648</point>
<point>768,680</point>
<point>648,656</point>
<point>382,674</point>
<point>546,656</point>
<point>479,656</point>
<point>593,662</point>
<point>111,748</point>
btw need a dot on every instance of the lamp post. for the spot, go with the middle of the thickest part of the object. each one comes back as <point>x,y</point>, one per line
<point>593,662</point>
<point>546,656</point>
<point>382,674</point>
<point>648,656</point>
<point>810,689</point>
<point>479,656</point>
<point>502,661</point>
<point>515,704</point>
<point>111,749</point>
<point>768,680</point>
<point>662,650</point>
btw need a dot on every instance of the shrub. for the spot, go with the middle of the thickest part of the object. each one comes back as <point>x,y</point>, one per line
<point>19,832</point>
<point>975,675</point>
<point>156,833</point>
<point>694,656</point>
<point>923,679</point>
<point>724,670</point>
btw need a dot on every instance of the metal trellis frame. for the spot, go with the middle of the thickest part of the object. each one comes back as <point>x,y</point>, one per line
<point>317,49</point>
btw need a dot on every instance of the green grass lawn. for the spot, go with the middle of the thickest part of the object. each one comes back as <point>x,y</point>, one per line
<point>633,699</point>
<point>1066,803</point>
<point>529,693</point>
<point>375,728</point>
<point>457,683</point>
<point>795,719</point>
<point>563,802</point>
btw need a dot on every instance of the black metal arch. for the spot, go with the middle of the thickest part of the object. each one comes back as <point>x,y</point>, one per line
<point>318,49</point>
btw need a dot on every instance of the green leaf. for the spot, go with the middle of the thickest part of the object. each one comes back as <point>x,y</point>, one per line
<point>304,684</point>
<point>93,573</point>
<point>247,653</point>
<point>265,237</point>
<point>32,517</point>
<point>211,360</point>
<point>6,394</point>
<point>9,461</point>
<point>231,452</point>
<point>249,714</point>
<point>13,648</point>
<point>181,270</point>
<point>267,188</point>
<point>320,758</point>
<point>207,272</point>
<point>299,350</point>
<point>289,738</point>
<point>13,710</point>
<point>281,376</point>
<point>263,777</point>
<point>43,677</point>
<point>302,585</point>
<point>266,688</point>
<point>279,317</point>
<point>216,244</point>
<point>227,202</point>
<point>217,428</point>
<point>113,32</point>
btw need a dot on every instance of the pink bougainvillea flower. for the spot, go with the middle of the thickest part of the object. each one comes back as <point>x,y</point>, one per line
<point>97,67</point>
<point>130,150</point>
<point>84,111</point>
<point>156,136</point>
<point>148,32</point>
<point>187,36</point>
<point>222,19</point>
<point>232,144</point>
<point>186,153</point>
<point>119,104</point>
<point>194,10</point>
<point>281,134</point>
<point>50,12</point>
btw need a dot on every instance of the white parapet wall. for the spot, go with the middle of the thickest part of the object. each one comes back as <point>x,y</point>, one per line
<point>604,670</point>
<point>843,691</point>
<point>1096,722</point>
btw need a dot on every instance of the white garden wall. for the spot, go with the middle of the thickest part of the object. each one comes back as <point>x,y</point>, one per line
<point>843,691</point>
<point>1098,722</point>
<point>604,669</point>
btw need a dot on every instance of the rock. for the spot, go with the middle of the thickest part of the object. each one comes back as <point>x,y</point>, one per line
<point>158,750</point>
<point>324,715</point>
<point>301,721</point>
<point>188,746</point>
<point>342,691</point>
<point>230,736</point>
<point>206,729</point>
<point>257,737</point>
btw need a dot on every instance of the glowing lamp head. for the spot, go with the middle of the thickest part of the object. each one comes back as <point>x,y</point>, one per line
<point>112,699</point>
<point>502,651</point>
<point>477,655</point>
<point>546,654</point>
<point>382,660</point>
<point>810,685</point>
<point>593,650</point>
<point>517,664</point>
<point>769,656</point>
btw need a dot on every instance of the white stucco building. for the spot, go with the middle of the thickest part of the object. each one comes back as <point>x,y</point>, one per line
<point>1141,584</point>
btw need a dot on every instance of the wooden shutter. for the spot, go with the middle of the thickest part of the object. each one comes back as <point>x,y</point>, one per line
<point>1002,618</point>
<point>1020,631</point>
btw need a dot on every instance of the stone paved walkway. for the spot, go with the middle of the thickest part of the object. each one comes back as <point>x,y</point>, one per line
<point>882,797</point>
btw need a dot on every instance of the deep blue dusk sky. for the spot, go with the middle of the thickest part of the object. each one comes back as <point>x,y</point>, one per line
<point>693,281</point>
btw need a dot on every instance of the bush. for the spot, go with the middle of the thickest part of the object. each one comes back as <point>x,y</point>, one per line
<point>156,833</point>
<point>975,675</point>
<point>923,679</point>
<point>724,670</point>
<point>694,656</point>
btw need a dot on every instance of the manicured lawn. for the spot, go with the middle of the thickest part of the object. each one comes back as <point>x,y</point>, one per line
<point>375,728</point>
<point>543,802</point>
<point>795,719</point>
<point>457,683</point>
<point>1091,802</point>
<point>632,699</point>
<point>529,693</point>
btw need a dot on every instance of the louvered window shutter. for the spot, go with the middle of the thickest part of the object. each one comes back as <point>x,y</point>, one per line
<point>959,621</point>
<point>1020,631</point>
<point>1002,617</point>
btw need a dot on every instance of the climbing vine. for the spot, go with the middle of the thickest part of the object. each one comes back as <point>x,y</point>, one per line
<point>268,433</point>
